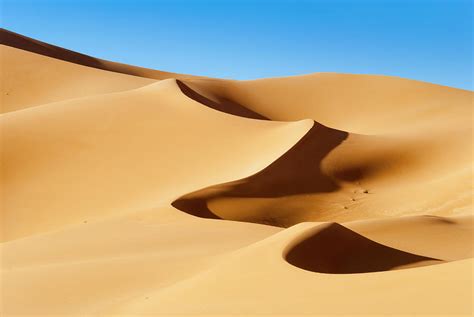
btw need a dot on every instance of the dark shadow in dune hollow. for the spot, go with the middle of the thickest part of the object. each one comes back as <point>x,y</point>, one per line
<point>296,172</point>
<point>223,105</point>
<point>339,250</point>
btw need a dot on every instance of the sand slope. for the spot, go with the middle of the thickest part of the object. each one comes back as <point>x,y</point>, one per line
<point>30,80</point>
<point>129,191</point>
<point>95,144</point>
<point>271,285</point>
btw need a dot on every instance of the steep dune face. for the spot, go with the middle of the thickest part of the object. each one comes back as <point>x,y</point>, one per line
<point>221,104</point>
<point>338,250</point>
<point>295,174</point>
<point>105,166</point>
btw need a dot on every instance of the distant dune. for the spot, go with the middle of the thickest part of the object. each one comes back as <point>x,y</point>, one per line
<point>130,191</point>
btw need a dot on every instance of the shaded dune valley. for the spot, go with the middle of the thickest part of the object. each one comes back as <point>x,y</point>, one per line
<point>129,191</point>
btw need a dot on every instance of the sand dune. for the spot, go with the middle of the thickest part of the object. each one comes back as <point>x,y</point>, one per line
<point>95,143</point>
<point>296,173</point>
<point>30,80</point>
<point>270,283</point>
<point>338,250</point>
<point>333,175</point>
<point>129,191</point>
<point>375,104</point>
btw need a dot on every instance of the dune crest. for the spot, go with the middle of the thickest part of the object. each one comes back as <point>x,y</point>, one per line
<point>338,250</point>
<point>297,172</point>
<point>12,39</point>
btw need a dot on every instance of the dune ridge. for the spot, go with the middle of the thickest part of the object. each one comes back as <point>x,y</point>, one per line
<point>309,191</point>
<point>297,172</point>
<point>22,42</point>
<point>338,250</point>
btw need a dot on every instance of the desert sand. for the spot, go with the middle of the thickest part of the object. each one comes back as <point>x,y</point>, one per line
<point>129,191</point>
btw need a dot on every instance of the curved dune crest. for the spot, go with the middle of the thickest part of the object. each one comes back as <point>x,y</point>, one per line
<point>297,172</point>
<point>338,250</point>
<point>333,175</point>
<point>105,167</point>
<point>223,105</point>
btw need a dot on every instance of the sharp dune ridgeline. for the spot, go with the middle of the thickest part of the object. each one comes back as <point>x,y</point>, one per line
<point>129,191</point>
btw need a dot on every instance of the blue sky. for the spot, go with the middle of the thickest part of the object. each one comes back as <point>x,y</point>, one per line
<point>429,40</point>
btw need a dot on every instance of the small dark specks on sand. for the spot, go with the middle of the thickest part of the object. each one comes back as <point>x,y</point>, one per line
<point>353,199</point>
<point>345,207</point>
<point>85,221</point>
<point>366,191</point>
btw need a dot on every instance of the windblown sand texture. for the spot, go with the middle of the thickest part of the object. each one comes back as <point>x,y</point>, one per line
<point>129,191</point>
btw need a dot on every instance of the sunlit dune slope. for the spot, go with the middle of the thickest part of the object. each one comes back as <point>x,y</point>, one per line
<point>128,191</point>
<point>364,104</point>
<point>123,152</point>
<point>30,79</point>
<point>271,285</point>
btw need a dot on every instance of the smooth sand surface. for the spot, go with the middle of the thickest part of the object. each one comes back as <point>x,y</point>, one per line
<point>128,192</point>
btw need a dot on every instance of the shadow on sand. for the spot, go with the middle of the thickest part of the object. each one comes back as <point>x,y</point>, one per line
<point>223,105</point>
<point>338,250</point>
<point>296,172</point>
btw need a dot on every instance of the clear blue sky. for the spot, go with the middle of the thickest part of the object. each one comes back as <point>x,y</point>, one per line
<point>429,40</point>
